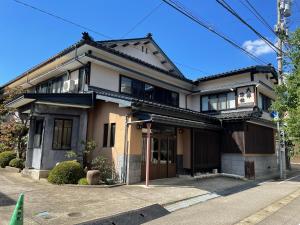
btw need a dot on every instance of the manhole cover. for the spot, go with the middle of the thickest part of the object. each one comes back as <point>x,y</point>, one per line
<point>74,214</point>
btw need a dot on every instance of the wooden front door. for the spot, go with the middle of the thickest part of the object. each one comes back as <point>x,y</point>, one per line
<point>163,153</point>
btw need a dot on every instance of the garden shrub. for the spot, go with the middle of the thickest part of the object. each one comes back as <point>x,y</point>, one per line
<point>83,181</point>
<point>67,172</point>
<point>18,163</point>
<point>5,158</point>
<point>105,167</point>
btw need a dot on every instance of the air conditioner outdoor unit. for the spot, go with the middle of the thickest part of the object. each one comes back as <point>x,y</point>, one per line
<point>69,86</point>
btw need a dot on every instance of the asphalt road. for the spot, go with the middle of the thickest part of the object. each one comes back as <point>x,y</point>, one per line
<point>261,204</point>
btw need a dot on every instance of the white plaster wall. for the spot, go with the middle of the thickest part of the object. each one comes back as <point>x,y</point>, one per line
<point>242,79</point>
<point>104,78</point>
<point>182,100</point>
<point>194,102</point>
<point>136,51</point>
<point>74,76</point>
<point>262,77</point>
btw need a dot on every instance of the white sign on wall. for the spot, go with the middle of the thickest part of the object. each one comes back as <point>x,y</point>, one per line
<point>245,96</point>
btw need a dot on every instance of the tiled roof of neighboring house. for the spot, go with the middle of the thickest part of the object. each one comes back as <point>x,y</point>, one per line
<point>254,69</point>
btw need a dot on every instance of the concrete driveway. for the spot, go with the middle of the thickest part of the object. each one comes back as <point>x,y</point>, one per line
<point>52,204</point>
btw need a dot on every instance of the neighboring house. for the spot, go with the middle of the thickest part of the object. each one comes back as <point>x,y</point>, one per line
<point>115,91</point>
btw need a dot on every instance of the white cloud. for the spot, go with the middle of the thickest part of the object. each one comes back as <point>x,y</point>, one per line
<point>257,47</point>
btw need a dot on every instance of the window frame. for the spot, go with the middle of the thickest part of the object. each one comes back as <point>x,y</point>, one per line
<point>262,99</point>
<point>112,138</point>
<point>165,98</point>
<point>218,102</point>
<point>40,120</point>
<point>62,135</point>
<point>105,135</point>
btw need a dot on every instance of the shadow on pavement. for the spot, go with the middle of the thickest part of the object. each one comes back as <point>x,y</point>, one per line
<point>134,217</point>
<point>5,200</point>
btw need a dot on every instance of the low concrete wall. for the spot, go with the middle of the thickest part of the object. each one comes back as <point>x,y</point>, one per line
<point>233,164</point>
<point>134,169</point>
<point>265,165</point>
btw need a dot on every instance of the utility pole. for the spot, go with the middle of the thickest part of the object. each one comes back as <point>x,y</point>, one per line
<point>283,11</point>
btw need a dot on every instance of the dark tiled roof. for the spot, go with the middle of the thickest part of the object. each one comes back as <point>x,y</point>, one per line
<point>237,115</point>
<point>49,60</point>
<point>153,105</point>
<point>98,44</point>
<point>257,68</point>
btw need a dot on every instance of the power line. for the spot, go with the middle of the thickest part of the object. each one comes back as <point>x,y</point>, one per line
<point>254,11</point>
<point>225,5</point>
<point>62,19</point>
<point>142,20</point>
<point>89,29</point>
<point>186,13</point>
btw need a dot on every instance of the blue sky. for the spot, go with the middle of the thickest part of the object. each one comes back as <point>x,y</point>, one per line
<point>28,37</point>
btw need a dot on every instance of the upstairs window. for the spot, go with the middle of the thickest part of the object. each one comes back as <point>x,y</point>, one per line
<point>265,102</point>
<point>149,92</point>
<point>218,102</point>
<point>126,85</point>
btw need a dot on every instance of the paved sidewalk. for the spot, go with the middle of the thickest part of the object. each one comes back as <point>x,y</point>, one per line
<point>53,204</point>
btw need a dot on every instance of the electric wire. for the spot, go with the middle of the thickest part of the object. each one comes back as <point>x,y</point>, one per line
<point>186,13</point>
<point>225,5</point>
<point>92,30</point>
<point>142,20</point>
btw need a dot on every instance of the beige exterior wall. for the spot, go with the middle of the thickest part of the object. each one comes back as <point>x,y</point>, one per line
<point>107,113</point>
<point>134,140</point>
<point>184,146</point>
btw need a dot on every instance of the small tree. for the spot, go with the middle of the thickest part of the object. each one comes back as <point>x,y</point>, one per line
<point>13,125</point>
<point>288,95</point>
<point>89,146</point>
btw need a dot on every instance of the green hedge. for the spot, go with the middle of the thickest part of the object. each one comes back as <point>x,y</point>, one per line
<point>67,172</point>
<point>18,163</point>
<point>5,158</point>
<point>83,181</point>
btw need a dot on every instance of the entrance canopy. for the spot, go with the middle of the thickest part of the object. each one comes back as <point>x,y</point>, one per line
<point>158,113</point>
<point>78,100</point>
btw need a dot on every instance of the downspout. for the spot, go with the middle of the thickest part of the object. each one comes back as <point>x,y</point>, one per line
<point>125,158</point>
<point>125,178</point>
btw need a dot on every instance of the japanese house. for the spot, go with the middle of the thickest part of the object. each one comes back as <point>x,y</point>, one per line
<point>122,93</point>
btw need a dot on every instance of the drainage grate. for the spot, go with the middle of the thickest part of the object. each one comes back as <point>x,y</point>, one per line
<point>134,217</point>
